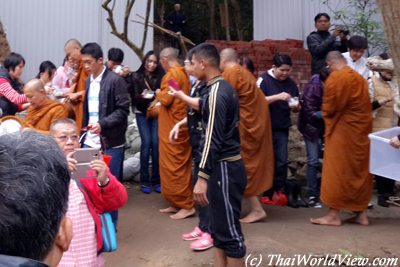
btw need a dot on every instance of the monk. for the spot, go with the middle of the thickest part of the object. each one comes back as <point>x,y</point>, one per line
<point>346,110</point>
<point>255,132</point>
<point>76,93</point>
<point>42,111</point>
<point>175,159</point>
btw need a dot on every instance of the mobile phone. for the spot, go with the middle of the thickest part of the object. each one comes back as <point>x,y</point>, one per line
<point>87,128</point>
<point>173,84</point>
<point>84,156</point>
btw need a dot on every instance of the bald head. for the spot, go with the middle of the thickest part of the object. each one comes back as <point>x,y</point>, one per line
<point>335,56</point>
<point>35,84</point>
<point>335,60</point>
<point>169,58</point>
<point>229,55</point>
<point>35,93</point>
<point>72,45</point>
<point>170,53</point>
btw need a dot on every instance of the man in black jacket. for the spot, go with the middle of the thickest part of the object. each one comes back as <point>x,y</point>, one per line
<point>105,109</point>
<point>222,176</point>
<point>321,41</point>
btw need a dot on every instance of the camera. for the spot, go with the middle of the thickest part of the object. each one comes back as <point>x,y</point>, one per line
<point>344,31</point>
<point>118,69</point>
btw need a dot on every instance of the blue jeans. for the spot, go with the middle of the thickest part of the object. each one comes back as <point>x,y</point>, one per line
<point>116,167</point>
<point>312,147</point>
<point>148,130</point>
<point>117,161</point>
<point>280,139</point>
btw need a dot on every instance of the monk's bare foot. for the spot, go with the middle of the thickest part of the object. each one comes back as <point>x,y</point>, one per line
<point>169,210</point>
<point>182,214</point>
<point>360,219</point>
<point>254,216</point>
<point>327,220</point>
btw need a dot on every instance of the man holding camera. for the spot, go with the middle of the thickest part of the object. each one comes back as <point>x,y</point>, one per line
<point>321,41</point>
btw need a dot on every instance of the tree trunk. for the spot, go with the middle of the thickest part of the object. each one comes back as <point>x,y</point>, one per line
<point>4,45</point>
<point>213,30</point>
<point>390,10</point>
<point>238,19</point>
<point>227,28</point>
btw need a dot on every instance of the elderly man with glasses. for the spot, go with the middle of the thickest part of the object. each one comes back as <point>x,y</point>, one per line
<point>103,193</point>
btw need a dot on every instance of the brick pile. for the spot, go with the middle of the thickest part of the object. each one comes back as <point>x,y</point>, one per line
<point>262,52</point>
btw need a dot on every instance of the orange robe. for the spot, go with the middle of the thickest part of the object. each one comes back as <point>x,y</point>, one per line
<point>41,118</point>
<point>175,159</point>
<point>346,109</point>
<point>255,130</point>
<point>77,87</point>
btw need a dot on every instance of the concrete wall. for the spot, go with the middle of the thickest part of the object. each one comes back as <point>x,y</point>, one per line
<point>281,19</point>
<point>39,29</point>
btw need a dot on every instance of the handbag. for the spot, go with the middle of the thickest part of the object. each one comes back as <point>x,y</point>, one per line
<point>108,232</point>
<point>154,109</point>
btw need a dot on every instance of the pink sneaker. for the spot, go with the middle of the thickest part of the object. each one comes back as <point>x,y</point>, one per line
<point>194,235</point>
<point>203,243</point>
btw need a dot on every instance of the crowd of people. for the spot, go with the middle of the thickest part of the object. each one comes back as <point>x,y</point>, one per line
<point>217,135</point>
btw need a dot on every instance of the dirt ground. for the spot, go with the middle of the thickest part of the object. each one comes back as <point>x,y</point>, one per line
<point>149,238</point>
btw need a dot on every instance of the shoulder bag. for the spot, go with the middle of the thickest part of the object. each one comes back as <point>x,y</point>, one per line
<point>108,232</point>
<point>154,109</point>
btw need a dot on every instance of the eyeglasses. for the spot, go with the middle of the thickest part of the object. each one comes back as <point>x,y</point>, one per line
<point>64,138</point>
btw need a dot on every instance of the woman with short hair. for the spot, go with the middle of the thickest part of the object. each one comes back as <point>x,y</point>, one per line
<point>11,97</point>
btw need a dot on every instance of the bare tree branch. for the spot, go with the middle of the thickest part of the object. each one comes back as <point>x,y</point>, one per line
<point>171,33</point>
<point>128,8</point>
<point>182,39</point>
<point>123,36</point>
<point>146,21</point>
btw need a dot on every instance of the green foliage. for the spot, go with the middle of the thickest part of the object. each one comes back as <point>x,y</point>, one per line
<point>361,17</point>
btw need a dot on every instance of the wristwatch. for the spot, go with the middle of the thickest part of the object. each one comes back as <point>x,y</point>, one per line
<point>104,185</point>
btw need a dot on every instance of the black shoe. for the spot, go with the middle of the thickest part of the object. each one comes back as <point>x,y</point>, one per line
<point>292,193</point>
<point>292,202</point>
<point>301,203</point>
<point>313,202</point>
<point>382,201</point>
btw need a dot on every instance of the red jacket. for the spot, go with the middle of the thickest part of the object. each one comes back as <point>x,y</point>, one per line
<point>111,197</point>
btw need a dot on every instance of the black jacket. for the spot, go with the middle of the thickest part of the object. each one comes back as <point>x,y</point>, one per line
<point>138,85</point>
<point>7,107</point>
<point>319,44</point>
<point>113,108</point>
<point>194,121</point>
<point>220,115</point>
<point>13,261</point>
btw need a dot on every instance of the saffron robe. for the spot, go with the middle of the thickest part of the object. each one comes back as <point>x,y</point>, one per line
<point>79,86</point>
<point>346,109</point>
<point>175,159</point>
<point>41,118</point>
<point>255,130</point>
